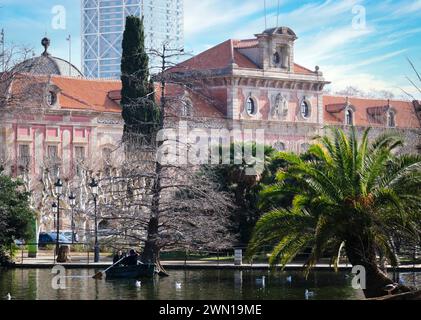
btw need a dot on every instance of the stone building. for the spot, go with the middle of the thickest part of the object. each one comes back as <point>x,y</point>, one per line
<point>55,125</point>
<point>52,125</point>
<point>256,83</point>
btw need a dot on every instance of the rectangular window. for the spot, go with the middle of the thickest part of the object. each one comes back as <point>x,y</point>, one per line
<point>24,155</point>
<point>79,158</point>
<point>23,151</point>
<point>80,153</point>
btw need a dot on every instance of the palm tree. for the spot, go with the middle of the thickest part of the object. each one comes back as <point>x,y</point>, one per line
<point>347,195</point>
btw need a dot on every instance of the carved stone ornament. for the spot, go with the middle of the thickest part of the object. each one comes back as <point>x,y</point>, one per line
<point>279,109</point>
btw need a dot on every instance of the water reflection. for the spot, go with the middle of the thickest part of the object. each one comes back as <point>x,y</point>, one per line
<point>36,284</point>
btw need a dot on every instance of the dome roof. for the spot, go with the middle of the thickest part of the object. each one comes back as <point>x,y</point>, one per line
<point>46,64</point>
<point>280,31</point>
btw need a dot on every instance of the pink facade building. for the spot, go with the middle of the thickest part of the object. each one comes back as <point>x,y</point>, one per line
<point>51,124</point>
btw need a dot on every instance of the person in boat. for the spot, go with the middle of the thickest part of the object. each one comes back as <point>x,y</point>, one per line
<point>118,256</point>
<point>131,259</point>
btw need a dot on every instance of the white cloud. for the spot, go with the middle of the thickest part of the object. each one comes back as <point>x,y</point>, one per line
<point>326,45</point>
<point>369,82</point>
<point>345,68</point>
<point>346,75</point>
<point>205,15</point>
<point>412,7</point>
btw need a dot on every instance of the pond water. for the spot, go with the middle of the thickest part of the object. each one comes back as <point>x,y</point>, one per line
<point>36,284</point>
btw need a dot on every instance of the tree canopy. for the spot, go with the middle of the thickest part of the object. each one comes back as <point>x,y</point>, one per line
<point>140,114</point>
<point>350,194</point>
<point>16,216</point>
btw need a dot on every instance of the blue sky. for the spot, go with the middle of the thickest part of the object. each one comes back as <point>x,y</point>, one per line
<point>332,34</point>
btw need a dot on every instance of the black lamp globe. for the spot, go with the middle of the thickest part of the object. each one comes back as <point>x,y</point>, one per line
<point>59,187</point>
<point>94,187</point>
<point>72,199</point>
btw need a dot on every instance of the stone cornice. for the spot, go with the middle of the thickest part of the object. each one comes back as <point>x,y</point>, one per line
<point>265,79</point>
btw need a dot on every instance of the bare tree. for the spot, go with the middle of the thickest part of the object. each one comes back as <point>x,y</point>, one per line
<point>416,102</point>
<point>20,92</point>
<point>352,91</point>
<point>166,204</point>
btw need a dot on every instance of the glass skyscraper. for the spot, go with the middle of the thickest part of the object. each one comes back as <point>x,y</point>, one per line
<point>103,26</point>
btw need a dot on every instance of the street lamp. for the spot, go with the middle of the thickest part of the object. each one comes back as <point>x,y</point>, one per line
<point>54,206</point>
<point>94,190</point>
<point>72,201</point>
<point>56,223</point>
<point>59,189</point>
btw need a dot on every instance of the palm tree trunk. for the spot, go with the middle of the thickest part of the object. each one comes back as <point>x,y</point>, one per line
<point>362,253</point>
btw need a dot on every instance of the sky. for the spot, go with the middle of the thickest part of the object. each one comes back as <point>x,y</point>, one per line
<point>358,43</point>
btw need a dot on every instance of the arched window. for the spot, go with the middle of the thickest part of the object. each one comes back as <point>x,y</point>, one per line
<point>51,98</point>
<point>186,109</point>
<point>349,117</point>
<point>279,146</point>
<point>305,147</point>
<point>391,119</point>
<point>104,225</point>
<point>106,154</point>
<point>276,58</point>
<point>251,106</point>
<point>305,109</point>
<point>284,56</point>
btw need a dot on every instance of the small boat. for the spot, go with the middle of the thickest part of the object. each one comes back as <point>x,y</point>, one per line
<point>131,272</point>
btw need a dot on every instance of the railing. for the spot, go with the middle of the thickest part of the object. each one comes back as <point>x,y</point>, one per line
<point>83,252</point>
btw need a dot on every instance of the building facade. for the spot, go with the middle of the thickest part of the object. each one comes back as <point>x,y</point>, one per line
<point>256,83</point>
<point>54,125</point>
<point>103,23</point>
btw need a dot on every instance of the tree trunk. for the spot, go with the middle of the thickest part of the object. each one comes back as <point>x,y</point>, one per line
<point>151,251</point>
<point>63,254</point>
<point>362,253</point>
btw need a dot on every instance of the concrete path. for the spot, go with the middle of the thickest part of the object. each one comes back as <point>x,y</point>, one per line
<point>79,261</point>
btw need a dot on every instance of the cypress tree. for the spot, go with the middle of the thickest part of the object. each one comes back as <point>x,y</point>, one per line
<point>140,113</point>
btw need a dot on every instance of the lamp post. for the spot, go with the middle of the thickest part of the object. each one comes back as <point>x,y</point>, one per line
<point>94,190</point>
<point>72,201</point>
<point>59,189</point>
<point>54,206</point>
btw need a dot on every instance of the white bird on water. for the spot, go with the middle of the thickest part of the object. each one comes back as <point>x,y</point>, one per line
<point>138,284</point>
<point>178,285</point>
<point>8,297</point>
<point>308,294</point>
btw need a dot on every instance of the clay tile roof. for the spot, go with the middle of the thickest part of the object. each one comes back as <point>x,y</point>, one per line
<point>366,111</point>
<point>243,62</point>
<point>115,95</point>
<point>202,105</point>
<point>221,56</point>
<point>24,88</point>
<point>302,70</point>
<point>88,94</point>
<point>217,57</point>
<point>245,44</point>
